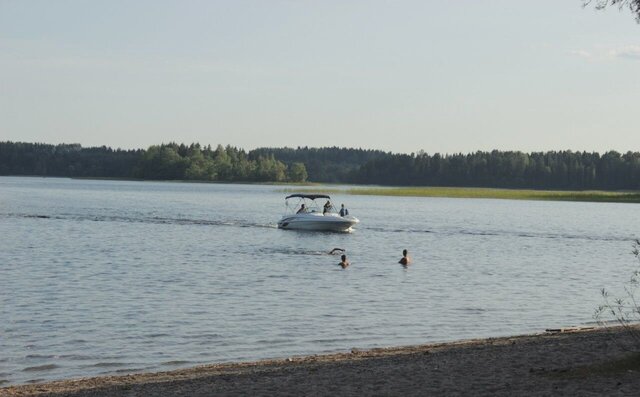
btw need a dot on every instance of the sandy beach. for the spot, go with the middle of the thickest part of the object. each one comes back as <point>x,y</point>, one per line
<point>570,362</point>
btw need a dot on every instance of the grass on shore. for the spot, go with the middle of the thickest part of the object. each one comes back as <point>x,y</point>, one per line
<point>465,192</point>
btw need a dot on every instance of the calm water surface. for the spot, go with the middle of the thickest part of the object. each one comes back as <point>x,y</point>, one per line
<point>103,277</point>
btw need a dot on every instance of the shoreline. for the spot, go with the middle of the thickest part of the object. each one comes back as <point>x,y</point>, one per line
<point>583,196</point>
<point>575,361</point>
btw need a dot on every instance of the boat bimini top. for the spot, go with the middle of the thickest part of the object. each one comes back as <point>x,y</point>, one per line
<point>308,196</point>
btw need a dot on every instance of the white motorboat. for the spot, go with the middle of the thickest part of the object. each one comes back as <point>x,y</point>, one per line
<point>306,214</point>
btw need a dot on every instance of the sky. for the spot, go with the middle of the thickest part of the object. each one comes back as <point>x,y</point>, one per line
<point>400,76</point>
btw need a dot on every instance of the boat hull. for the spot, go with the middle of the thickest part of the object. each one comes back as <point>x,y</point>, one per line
<point>317,223</point>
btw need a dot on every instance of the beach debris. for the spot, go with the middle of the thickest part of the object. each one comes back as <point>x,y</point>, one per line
<point>567,329</point>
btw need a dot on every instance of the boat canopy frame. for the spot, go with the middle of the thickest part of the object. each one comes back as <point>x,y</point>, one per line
<point>308,196</point>
<point>314,207</point>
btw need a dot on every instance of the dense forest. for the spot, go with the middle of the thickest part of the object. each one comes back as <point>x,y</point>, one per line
<point>159,162</point>
<point>539,170</point>
<point>330,164</point>
<point>66,160</point>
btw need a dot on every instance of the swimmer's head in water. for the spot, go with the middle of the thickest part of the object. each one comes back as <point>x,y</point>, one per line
<point>343,257</point>
<point>404,252</point>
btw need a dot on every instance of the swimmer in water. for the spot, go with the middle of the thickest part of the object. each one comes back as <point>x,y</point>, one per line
<point>405,258</point>
<point>336,251</point>
<point>344,263</point>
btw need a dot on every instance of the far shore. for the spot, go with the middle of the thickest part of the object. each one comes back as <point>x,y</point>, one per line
<point>602,196</point>
<point>486,193</point>
<point>557,362</point>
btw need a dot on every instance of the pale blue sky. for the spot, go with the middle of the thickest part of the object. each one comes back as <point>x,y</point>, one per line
<point>441,76</point>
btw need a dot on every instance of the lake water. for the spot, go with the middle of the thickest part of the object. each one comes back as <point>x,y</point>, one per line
<point>104,277</point>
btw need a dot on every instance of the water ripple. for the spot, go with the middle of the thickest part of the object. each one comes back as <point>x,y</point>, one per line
<point>39,368</point>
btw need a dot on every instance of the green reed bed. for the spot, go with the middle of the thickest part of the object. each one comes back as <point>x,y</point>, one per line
<point>508,194</point>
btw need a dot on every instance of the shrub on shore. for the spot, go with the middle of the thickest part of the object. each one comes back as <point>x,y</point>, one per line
<point>624,310</point>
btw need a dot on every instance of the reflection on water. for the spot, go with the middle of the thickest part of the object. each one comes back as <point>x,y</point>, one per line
<point>104,277</point>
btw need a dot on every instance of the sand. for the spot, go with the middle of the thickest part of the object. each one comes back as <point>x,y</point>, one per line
<point>577,362</point>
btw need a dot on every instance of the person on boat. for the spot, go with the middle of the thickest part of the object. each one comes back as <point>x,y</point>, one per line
<point>343,211</point>
<point>327,207</point>
<point>405,258</point>
<point>336,250</point>
<point>344,263</point>
<point>302,209</point>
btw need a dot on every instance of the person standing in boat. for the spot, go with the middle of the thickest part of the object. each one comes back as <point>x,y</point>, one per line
<point>343,211</point>
<point>302,209</point>
<point>327,207</point>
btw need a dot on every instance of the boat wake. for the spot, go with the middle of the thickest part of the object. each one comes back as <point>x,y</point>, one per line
<point>291,251</point>
<point>145,219</point>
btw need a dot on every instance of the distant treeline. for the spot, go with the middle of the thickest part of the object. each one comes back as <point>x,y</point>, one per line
<point>539,170</point>
<point>159,162</point>
<point>564,170</point>
<point>330,164</point>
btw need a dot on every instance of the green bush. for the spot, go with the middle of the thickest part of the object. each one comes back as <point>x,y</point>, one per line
<point>625,310</point>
